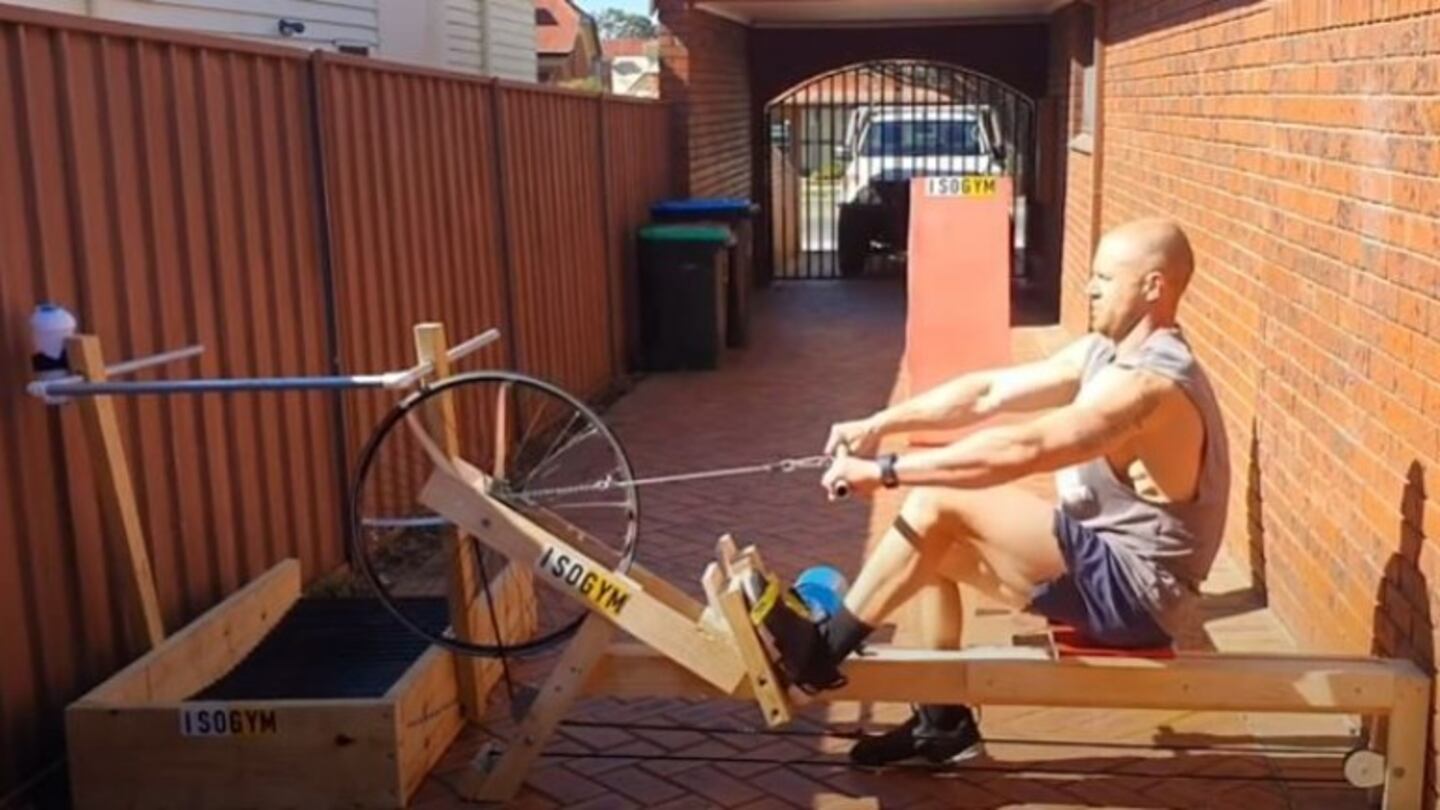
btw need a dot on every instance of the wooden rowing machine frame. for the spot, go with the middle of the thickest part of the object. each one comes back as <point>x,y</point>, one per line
<point>682,648</point>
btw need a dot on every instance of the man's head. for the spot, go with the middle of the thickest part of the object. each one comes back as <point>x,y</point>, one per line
<point>1141,269</point>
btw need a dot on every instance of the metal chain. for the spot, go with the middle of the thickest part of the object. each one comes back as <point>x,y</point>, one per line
<point>783,466</point>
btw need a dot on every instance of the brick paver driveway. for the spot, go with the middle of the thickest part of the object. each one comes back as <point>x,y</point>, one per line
<point>822,352</point>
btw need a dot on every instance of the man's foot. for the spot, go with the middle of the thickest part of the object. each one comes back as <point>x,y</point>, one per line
<point>796,642</point>
<point>918,739</point>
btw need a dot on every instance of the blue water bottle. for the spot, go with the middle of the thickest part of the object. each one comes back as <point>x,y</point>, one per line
<point>823,590</point>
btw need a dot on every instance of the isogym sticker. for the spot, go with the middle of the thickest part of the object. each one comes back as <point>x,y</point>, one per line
<point>218,720</point>
<point>968,186</point>
<point>596,586</point>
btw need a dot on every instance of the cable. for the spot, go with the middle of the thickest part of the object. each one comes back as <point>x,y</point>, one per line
<point>494,617</point>
<point>855,735</point>
<point>832,763</point>
<point>784,465</point>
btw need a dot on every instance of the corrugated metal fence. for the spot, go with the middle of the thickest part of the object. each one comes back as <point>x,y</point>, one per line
<point>295,213</point>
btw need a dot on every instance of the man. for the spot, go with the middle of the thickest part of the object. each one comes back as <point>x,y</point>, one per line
<point>1131,425</point>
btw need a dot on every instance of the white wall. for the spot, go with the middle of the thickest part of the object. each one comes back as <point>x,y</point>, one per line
<point>465,35</point>
<point>68,6</point>
<point>447,34</point>
<point>348,21</point>
<point>411,30</point>
<point>512,40</point>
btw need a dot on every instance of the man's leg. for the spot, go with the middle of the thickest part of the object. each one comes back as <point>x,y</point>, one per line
<point>999,541</point>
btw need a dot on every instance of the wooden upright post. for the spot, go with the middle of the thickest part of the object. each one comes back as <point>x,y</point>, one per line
<point>1405,748</point>
<point>117,491</point>
<point>430,347</point>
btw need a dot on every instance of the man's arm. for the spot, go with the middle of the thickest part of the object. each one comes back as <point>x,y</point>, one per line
<point>970,398</point>
<point>1078,432</point>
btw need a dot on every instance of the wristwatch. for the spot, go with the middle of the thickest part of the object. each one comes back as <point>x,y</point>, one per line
<point>887,470</point>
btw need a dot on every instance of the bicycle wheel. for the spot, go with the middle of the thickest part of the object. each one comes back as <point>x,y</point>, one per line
<point>550,457</point>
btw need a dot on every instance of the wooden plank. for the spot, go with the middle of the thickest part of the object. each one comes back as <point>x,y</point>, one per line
<point>559,693</point>
<point>1405,744</point>
<point>208,647</point>
<point>289,754</point>
<point>654,584</point>
<point>117,490</point>
<point>619,598</point>
<point>430,347</point>
<point>428,716</point>
<point>729,603</point>
<point>725,554</point>
<point>1024,677</point>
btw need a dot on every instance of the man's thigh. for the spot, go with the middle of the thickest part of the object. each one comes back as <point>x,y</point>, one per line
<point>1004,540</point>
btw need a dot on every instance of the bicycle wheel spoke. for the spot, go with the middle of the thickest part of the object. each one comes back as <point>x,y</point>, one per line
<point>408,554</point>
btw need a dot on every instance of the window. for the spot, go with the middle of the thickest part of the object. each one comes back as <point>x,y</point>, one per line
<point>918,138</point>
<point>1082,118</point>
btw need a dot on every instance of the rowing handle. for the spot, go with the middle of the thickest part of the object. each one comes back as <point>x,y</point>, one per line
<point>841,489</point>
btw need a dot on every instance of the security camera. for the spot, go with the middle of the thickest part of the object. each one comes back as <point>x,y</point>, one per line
<point>290,28</point>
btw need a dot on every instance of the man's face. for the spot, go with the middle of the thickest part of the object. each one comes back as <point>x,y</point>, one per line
<point>1121,291</point>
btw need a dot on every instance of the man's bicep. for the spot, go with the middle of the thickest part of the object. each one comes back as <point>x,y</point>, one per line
<point>1048,383</point>
<point>1027,387</point>
<point>1117,411</point>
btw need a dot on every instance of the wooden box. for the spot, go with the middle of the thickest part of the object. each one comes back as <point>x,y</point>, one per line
<point>140,740</point>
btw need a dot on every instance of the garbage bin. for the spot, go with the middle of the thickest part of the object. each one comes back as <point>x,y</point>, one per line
<point>684,270</point>
<point>737,214</point>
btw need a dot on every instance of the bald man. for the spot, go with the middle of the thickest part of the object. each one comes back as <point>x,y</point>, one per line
<point>1130,426</point>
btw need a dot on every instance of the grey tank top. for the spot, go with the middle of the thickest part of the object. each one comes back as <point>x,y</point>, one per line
<point>1165,549</point>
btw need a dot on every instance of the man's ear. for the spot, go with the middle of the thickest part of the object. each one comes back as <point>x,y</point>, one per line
<point>1154,285</point>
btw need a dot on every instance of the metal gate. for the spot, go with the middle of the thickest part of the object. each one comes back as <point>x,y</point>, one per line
<point>843,146</point>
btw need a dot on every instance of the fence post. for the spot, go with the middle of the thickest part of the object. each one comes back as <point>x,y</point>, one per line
<point>502,207</point>
<point>324,243</point>
<point>607,223</point>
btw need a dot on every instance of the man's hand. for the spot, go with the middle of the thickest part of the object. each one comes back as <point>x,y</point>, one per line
<point>860,437</point>
<point>861,475</point>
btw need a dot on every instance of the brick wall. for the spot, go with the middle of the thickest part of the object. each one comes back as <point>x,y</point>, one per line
<point>1297,142</point>
<point>1072,170</point>
<point>705,75</point>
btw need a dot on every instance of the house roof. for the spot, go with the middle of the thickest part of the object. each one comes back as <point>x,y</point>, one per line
<point>632,46</point>
<point>830,12</point>
<point>557,26</point>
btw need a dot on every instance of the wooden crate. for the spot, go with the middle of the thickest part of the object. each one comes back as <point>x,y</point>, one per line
<point>138,740</point>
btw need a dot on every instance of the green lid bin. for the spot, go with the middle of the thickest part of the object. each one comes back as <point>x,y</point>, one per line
<point>684,270</point>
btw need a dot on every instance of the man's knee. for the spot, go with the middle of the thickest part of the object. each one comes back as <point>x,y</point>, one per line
<point>931,511</point>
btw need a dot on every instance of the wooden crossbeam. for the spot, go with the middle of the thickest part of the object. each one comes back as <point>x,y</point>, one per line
<point>1021,677</point>
<point>458,492</point>
<point>464,586</point>
<point>117,491</point>
<point>500,775</point>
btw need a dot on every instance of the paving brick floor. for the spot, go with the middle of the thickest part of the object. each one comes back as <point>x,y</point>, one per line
<point>823,352</point>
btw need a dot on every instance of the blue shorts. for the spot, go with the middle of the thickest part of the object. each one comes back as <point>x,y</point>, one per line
<point>1093,596</point>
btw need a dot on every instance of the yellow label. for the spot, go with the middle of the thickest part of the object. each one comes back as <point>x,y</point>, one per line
<point>596,586</point>
<point>964,186</point>
<point>763,605</point>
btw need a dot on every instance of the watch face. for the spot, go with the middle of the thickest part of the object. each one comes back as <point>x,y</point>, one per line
<point>887,470</point>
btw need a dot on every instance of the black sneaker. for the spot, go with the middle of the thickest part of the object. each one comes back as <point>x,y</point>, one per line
<point>917,740</point>
<point>795,641</point>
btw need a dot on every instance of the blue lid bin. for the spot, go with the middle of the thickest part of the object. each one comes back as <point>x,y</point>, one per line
<point>737,214</point>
